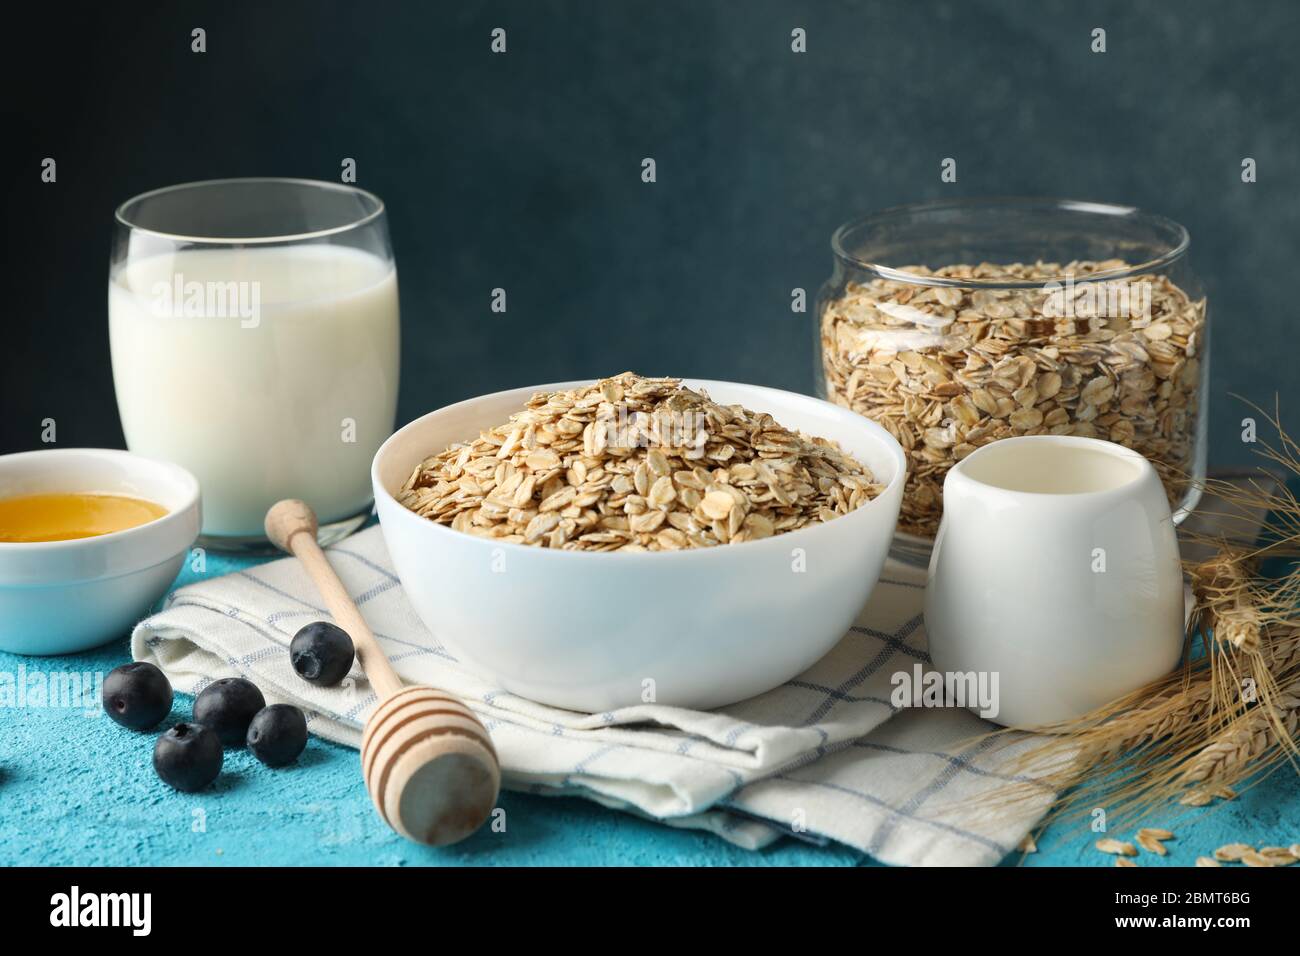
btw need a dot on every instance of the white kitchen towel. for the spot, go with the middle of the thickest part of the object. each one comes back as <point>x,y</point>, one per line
<point>825,756</point>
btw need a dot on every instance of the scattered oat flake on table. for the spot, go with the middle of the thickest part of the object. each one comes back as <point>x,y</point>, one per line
<point>1109,845</point>
<point>1232,852</point>
<point>1207,861</point>
<point>1252,858</point>
<point>1156,833</point>
<point>1124,861</point>
<point>1151,844</point>
<point>1277,855</point>
<point>636,464</point>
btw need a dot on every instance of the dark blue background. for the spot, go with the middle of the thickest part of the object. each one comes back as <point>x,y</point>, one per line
<point>522,170</point>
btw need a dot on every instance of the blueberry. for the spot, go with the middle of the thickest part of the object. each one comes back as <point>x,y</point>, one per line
<point>137,695</point>
<point>188,757</point>
<point>227,706</point>
<point>277,734</point>
<point>321,653</point>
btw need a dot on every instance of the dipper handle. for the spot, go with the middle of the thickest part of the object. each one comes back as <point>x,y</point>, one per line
<point>291,525</point>
<point>428,762</point>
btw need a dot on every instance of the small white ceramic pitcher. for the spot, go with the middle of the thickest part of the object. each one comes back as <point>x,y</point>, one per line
<point>1056,568</point>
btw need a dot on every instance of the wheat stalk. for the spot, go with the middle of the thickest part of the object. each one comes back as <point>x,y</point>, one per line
<point>1263,727</point>
<point>1156,721</point>
<point>1223,588</point>
<point>1185,701</point>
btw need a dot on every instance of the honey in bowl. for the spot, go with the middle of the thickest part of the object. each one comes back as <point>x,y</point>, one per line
<point>64,517</point>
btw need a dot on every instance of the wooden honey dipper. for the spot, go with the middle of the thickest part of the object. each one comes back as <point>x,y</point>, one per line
<point>428,762</point>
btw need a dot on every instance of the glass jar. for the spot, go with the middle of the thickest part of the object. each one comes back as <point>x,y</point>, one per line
<point>958,322</point>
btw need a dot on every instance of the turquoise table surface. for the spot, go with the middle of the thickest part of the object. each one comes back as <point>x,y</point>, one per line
<point>77,789</point>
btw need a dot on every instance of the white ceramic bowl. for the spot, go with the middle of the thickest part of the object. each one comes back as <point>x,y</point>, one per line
<point>590,631</point>
<point>58,597</point>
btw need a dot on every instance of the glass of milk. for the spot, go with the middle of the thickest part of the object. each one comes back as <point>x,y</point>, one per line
<point>254,333</point>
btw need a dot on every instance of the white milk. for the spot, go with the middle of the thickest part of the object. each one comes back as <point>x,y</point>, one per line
<point>255,398</point>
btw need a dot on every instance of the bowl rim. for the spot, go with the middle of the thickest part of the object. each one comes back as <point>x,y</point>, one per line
<point>164,527</point>
<point>877,431</point>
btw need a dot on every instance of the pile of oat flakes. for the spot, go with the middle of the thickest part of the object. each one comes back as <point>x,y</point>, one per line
<point>948,369</point>
<point>636,464</point>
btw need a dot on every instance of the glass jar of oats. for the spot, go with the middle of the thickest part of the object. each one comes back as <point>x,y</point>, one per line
<point>959,322</point>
